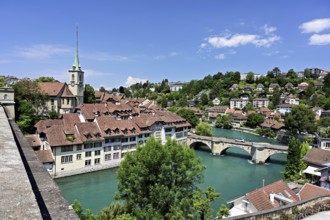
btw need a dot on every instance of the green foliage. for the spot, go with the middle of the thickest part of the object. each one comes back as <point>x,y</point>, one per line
<point>53,115</point>
<point>159,181</point>
<point>2,81</point>
<point>276,98</point>
<point>266,132</point>
<point>254,120</point>
<point>307,73</point>
<point>300,119</point>
<point>325,133</point>
<point>223,211</point>
<point>204,99</point>
<point>202,202</point>
<point>292,165</point>
<point>325,121</point>
<point>45,79</point>
<point>189,115</point>
<point>113,211</point>
<point>250,77</point>
<point>224,121</point>
<point>83,215</point>
<point>203,129</point>
<point>29,101</point>
<point>326,86</point>
<point>89,94</point>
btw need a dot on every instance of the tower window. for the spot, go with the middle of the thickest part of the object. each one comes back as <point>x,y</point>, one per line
<point>80,78</point>
<point>5,96</point>
<point>72,77</point>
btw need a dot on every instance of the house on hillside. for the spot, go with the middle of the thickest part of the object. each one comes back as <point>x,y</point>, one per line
<point>273,86</point>
<point>260,102</point>
<point>268,197</point>
<point>318,170</point>
<point>288,86</point>
<point>284,108</point>
<point>302,86</point>
<point>238,103</point>
<point>260,87</point>
<point>234,87</point>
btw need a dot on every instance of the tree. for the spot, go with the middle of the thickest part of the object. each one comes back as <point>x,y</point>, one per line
<point>307,73</point>
<point>203,200</point>
<point>223,211</point>
<point>2,81</point>
<point>304,149</point>
<point>276,72</point>
<point>292,74</point>
<point>29,101</point>
<point>325,121</point>
<point>102,89</point>
<point>113,211</point>
<point>326,86</point>
<point>276,98</point>
<point>250,77</point>
<point>159,181</point>
<point>204,99</point>
<point>300,119</point>
<point>189,115</point>
<point>203,129</point>
<point>89,94</point>
<point>292,165</point>
<point>224,121</point>
<point>254,120</point>
<point>45,79</point>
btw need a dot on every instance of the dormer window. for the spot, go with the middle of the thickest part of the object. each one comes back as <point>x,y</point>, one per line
<point>125,131</point>
<point>97,134</point>
<point>88,135</point>
<point>108,131</point>
<point>116,131</point>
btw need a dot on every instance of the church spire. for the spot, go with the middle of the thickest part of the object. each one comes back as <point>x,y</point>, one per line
<point>76,65</point>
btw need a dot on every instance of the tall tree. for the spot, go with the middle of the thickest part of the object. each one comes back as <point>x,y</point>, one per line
<point>276,72</point>
<point>204,99</point>
<point>159,181</point>
<point>224,121</point>
<point>326,86</point>
<point>203,129</point>
<point>292,165</point>
<point>89,94</point>
<point>300,119</point>
<point>45,79</point>
<point>276,97</point>
<point>203,200</point>
<point>250,77</point>
<point>254,120</point>
<point>189,115</point>
<point>307,73</point>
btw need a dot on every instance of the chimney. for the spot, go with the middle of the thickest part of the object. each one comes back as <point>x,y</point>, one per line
<point>271,197</point>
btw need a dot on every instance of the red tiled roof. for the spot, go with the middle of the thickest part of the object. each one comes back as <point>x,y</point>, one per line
<point>89,131</point>
<point>67,92</point>
<point>45,156</point>
<point>57,135</point>
<point>317,156</point>
<point>51,88</point>
<point>260,198</point>
<point>70,119</point>
<point>309,191</point>
<point>44,124</point>
<point>33,141</point>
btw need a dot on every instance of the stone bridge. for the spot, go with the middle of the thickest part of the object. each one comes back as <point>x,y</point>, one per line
<point>260,152</point>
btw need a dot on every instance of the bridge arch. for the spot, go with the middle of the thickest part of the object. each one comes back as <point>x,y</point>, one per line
<point>197,144</point>
<point>270,157</point>
<point>245,149</point>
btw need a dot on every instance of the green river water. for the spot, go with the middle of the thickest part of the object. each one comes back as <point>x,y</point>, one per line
<point>232,175</point>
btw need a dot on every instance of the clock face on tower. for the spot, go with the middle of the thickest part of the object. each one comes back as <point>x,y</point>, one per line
<point>72,83</point>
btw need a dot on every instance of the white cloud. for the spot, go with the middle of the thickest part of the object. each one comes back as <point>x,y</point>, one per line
<point>268,29</point>
<point>132,80</point>
<point>220,56</point>
<point>315,26</point>
<point>42,51</point>
<point>319,39</point>
<point>242,39</point>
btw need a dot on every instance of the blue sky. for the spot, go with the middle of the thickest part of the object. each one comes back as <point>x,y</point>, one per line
<point>122,42</point>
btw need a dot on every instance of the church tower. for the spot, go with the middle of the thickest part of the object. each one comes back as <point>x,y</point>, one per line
<point>76,78</point>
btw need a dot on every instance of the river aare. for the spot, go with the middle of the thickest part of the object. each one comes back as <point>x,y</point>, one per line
<point>231,174</point>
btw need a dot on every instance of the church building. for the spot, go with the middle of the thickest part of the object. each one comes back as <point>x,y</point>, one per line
<point>64,97</point>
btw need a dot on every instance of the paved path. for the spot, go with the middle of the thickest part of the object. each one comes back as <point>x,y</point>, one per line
<point>319,216</point>
<point>17,200</point>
